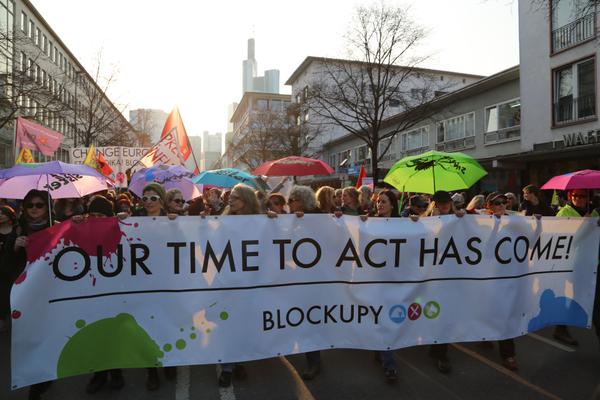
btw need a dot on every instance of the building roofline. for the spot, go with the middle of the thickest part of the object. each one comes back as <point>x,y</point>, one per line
<point>310,59</point>
<point>247,95</point>
<point>439,102</point>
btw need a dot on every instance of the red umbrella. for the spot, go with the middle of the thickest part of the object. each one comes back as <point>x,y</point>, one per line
<point>293,166</point>
<point>584,179</point>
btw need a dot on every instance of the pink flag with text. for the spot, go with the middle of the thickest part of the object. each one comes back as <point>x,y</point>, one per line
<point>37,137</point>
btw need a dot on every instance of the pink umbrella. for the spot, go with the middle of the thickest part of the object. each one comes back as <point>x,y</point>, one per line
<point>293,166</point>
<point>584,179</point>
<point>61,180</point>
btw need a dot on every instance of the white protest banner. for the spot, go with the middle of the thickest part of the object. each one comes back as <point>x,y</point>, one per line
<point>119,158</point>
<point>151,291</point>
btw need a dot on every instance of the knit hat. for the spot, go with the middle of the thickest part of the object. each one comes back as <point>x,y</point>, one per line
<point>156,188</point>
<point>101,205</point>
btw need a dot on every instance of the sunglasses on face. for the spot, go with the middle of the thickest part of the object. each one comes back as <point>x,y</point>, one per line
<point>178,201</point>
<point>36,205</point>
<point>150,198</point>
<point>499,203</point>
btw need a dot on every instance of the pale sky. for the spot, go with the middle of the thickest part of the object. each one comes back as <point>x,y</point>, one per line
<point>189,53</point>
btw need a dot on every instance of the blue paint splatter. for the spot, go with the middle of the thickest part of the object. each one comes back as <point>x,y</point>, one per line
<point>558,311</point>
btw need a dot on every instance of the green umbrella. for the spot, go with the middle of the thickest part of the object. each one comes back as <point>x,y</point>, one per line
<point>433,171</point>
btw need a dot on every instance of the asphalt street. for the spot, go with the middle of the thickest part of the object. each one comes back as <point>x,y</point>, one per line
<point>547,370</point>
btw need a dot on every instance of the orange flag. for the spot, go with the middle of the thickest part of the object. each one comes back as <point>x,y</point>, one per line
<point>175,124</point>
<point>103,166</point>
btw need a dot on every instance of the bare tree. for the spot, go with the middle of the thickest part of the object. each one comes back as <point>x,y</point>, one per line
<point>270,135</point>
<point>97,120</point>
<point>143,124</point>
<point>26,89</point>
<point>381,78</point>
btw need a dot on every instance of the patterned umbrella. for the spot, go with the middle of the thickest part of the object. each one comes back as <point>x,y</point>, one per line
<point>169,176</point>
<point>435,170</point>
<point>60,179</point>
<point>226,178</point>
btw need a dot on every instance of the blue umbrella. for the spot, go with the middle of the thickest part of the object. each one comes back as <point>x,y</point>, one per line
<point>227,177</point>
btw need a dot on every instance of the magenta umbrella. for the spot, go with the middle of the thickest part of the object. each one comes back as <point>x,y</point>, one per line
<point>584,179</point>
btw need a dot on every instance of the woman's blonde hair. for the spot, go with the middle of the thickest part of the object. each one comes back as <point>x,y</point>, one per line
<point>476,203</point>
<point>171,193</point>
<point>326,199</point>
<point>248,197</point>
<point>429,211</point>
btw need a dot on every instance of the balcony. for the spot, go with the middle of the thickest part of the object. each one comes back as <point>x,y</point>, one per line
<point>457,144</point>
<point>569,109</point>
<point>576,32</point>
<point>502,135</point>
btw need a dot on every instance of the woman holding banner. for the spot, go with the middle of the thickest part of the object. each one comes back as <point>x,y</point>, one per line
<point>496,206</point>
<point>442,204</point>
<point>242,201</point>
<point>386,207</point>
<point>36,216</point>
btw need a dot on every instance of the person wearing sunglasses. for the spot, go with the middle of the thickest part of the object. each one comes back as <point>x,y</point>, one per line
<point>496,206</point>
<point>34,218</point>
<point>8,234</point>
<point>578,205</point>
<point>175,202</point>
<point>153,201</point>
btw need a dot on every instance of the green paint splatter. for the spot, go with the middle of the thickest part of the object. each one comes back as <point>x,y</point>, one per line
<point>80,323</point>
<point>193,336</point>
<point>224,315</point>
<point>108,343</point>
<point>180,344</point>
<point>167,347</point>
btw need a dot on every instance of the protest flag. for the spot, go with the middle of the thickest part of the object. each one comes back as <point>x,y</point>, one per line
<point>36,137</point>
<point>174,124</point>
<point>103,165</point>
<point>166,152</point>
<point>25,156</point>
<point>361,176</point>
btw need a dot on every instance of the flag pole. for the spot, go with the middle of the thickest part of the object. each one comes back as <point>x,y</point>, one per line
<point>16,154</point>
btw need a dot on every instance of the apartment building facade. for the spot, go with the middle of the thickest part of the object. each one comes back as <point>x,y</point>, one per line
<point>42,80</point>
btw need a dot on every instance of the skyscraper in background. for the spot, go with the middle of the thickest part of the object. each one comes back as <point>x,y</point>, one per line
<point>251,82</point>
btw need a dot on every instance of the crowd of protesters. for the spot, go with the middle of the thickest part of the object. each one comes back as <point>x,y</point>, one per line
<point>37,211</point>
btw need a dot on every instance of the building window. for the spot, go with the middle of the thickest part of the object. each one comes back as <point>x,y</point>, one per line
<point>50,49</point>
<point>575,92</point>
<point>30,68</point>
<point>262,105</point>
<point>394,102</point>
<point>23,62</point>
<point>36,39</point>
<point>31,29</point>
<point>503,116</point>
<point>44,43</point>
<point>24,22</point>
<point>415,139</point>
<point>456,128</point>
<point>573,21</point>
<point>55,55</point>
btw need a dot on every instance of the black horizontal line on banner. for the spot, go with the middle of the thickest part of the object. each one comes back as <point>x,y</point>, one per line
<point>275,285</point>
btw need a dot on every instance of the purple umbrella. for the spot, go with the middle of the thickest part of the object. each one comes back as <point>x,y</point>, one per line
<point>584,179</point>
<point>61,180</point>
<point>169,176</point>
